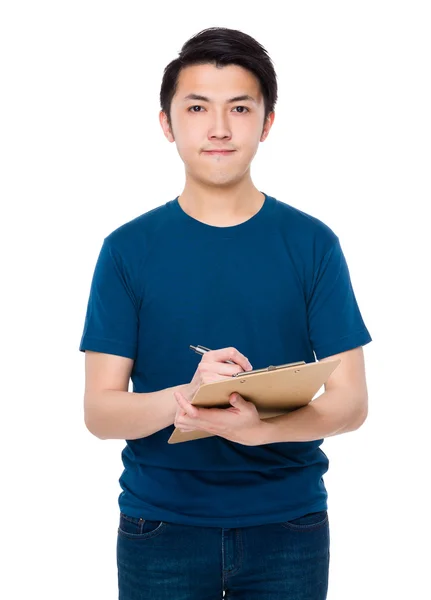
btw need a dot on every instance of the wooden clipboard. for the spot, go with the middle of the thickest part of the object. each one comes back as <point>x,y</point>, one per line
<point>274,391</point>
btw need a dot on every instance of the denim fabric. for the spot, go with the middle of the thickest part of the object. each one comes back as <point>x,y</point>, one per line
<point>168,561</point>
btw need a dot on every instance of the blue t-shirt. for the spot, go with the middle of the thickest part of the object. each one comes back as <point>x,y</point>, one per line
<point>277,288</point>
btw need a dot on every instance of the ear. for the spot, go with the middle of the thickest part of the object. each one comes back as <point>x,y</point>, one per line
<point>267,126</point>
<point>163,119</point>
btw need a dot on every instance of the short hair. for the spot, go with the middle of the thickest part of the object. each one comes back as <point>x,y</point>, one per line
<point>221,46</point>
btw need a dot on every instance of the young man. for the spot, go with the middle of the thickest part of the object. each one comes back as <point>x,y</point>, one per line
<point>229,267</point>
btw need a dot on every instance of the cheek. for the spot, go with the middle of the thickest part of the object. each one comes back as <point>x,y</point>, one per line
<point>188,146</point>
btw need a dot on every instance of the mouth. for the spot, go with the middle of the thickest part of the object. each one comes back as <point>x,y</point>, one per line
<point>219,152</point>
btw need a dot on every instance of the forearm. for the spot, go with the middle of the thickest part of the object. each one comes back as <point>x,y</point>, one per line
<point>130,415</point>
<point>331,413</point>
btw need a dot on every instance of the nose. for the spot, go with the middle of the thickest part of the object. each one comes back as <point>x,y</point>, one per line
<point>219,128</point>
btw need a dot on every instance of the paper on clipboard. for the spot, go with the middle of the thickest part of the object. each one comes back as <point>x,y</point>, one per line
<point>274,391</point>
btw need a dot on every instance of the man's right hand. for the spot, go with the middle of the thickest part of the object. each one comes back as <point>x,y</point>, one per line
<point>213,367</point>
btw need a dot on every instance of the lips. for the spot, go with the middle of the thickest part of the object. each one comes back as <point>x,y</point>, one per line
<point>219,151</point>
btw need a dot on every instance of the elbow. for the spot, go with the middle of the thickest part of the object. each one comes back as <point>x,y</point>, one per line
<point>91,421</point>
<point>360,415</point>
<point>361,420</point>
<point>92,429</point>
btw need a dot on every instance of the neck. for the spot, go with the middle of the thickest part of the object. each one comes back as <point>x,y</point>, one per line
<point>221,206</point>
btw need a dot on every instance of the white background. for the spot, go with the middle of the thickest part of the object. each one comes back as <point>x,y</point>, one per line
<point>82,152</point>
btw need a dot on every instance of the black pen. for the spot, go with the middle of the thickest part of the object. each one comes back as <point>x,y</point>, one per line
<point>202,350</point>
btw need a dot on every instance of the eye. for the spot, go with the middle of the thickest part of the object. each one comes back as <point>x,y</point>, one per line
<point>244,109</point>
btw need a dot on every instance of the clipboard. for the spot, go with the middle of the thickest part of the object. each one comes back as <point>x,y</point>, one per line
<point>274,390</point>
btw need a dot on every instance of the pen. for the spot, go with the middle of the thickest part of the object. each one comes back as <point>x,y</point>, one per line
<point>203,350</point>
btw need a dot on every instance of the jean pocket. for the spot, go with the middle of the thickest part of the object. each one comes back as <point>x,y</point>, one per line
<point>308,522</point>
<point>138,528</point>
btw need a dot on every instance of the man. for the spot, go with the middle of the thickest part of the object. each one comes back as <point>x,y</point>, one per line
<point>226,266</point>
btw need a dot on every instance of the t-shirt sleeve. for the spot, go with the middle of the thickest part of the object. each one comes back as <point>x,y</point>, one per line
<point>335,322</point>
<point>111,321</point>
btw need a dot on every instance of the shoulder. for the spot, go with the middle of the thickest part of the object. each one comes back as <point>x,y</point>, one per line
<point>136,234</point>
<point>303,228</point>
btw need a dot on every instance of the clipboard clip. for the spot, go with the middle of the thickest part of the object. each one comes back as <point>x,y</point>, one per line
<point>270,368</point>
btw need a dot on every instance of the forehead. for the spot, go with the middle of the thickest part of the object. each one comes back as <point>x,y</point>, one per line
<point>217,83</point>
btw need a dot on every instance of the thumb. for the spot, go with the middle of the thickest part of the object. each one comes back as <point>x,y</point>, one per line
<point>235,399</point>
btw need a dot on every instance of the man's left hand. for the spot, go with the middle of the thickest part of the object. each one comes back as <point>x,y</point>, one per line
<point>238,423</point>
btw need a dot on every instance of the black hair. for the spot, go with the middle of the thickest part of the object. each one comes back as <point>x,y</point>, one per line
<point>221,46</point>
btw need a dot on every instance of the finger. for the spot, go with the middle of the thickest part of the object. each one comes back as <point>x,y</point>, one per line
<point>229,353</point>
<point>233,399</point>
<point>188,409</point>
<point>186,423</point>
<point>212,370</point>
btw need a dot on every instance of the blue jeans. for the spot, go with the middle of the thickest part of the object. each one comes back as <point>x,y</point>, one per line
<point>167,561</point>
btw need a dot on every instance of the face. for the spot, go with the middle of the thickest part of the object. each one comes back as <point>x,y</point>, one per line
<point>217,123</point>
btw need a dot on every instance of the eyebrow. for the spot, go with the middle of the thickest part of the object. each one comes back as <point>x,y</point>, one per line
<point>235,99</point>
